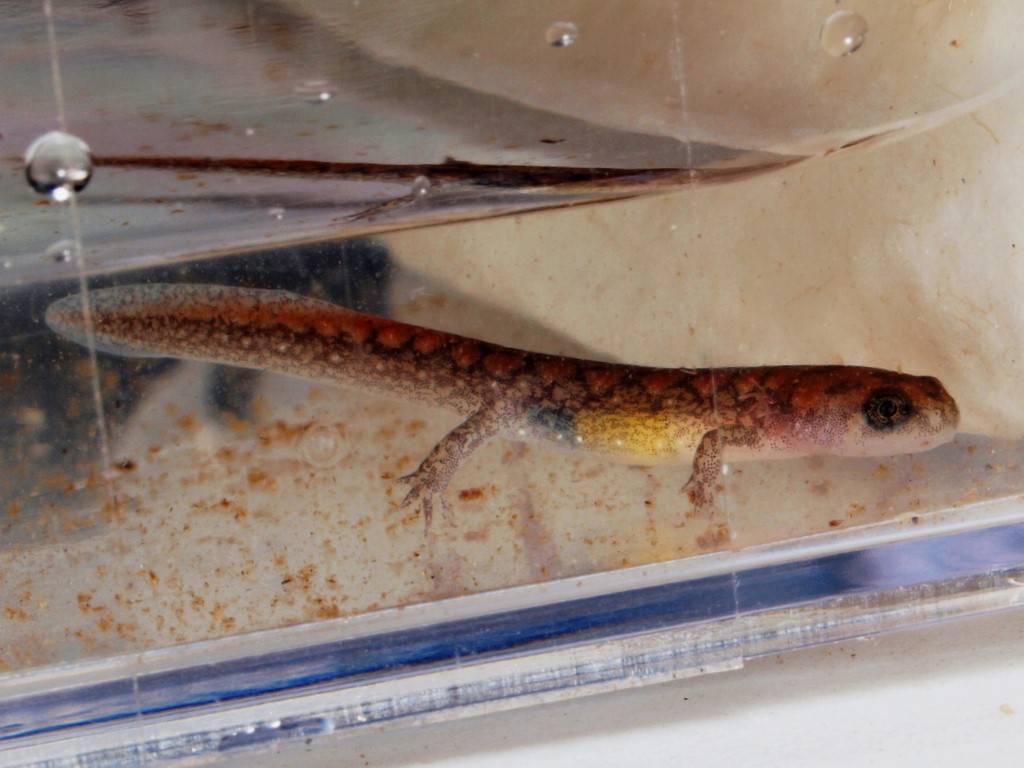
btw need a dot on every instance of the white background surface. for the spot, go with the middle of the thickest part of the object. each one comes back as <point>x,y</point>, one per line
<point>945,695</point>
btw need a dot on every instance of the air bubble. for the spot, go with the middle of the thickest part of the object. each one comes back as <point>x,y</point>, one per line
<point>843,33</point>
<point>320,444</point>
<point>61,252</point>
<point>561,34</point>
<point>58,164</point>
<point>420,186</point>
<point>316,91</point>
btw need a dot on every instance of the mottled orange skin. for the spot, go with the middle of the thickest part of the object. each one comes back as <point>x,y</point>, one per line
<point>631,413</point>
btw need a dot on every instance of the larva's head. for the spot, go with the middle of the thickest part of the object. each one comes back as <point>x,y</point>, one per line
<point>862,412</point>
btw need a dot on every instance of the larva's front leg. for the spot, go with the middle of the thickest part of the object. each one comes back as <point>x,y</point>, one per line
<point>707,465</point>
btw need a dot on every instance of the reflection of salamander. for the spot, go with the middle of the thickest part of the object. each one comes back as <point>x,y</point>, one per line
<point>634,414</point>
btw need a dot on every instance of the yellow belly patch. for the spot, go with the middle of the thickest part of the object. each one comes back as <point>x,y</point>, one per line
<point>642,438</point>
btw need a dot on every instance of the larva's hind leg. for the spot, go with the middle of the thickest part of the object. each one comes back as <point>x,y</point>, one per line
<point>428,483</point>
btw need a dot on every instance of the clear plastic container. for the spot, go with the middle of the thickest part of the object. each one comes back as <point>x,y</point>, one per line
<point>198,559</point>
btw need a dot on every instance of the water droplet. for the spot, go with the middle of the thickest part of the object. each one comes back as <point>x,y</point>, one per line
<point>316,91</point>
<point>420,186</point>
<point>7,263</point>
<point>58,163</point>
<point>277,213</point>
<point>843,33</point>
<point>320,444</point>
<point>62,252</point>
<point>561,33</point>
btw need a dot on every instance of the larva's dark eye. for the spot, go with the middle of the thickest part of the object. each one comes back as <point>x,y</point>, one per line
<point>886,409</point>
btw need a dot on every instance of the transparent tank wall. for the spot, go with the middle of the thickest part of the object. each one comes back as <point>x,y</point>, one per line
<point>384,158</point>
